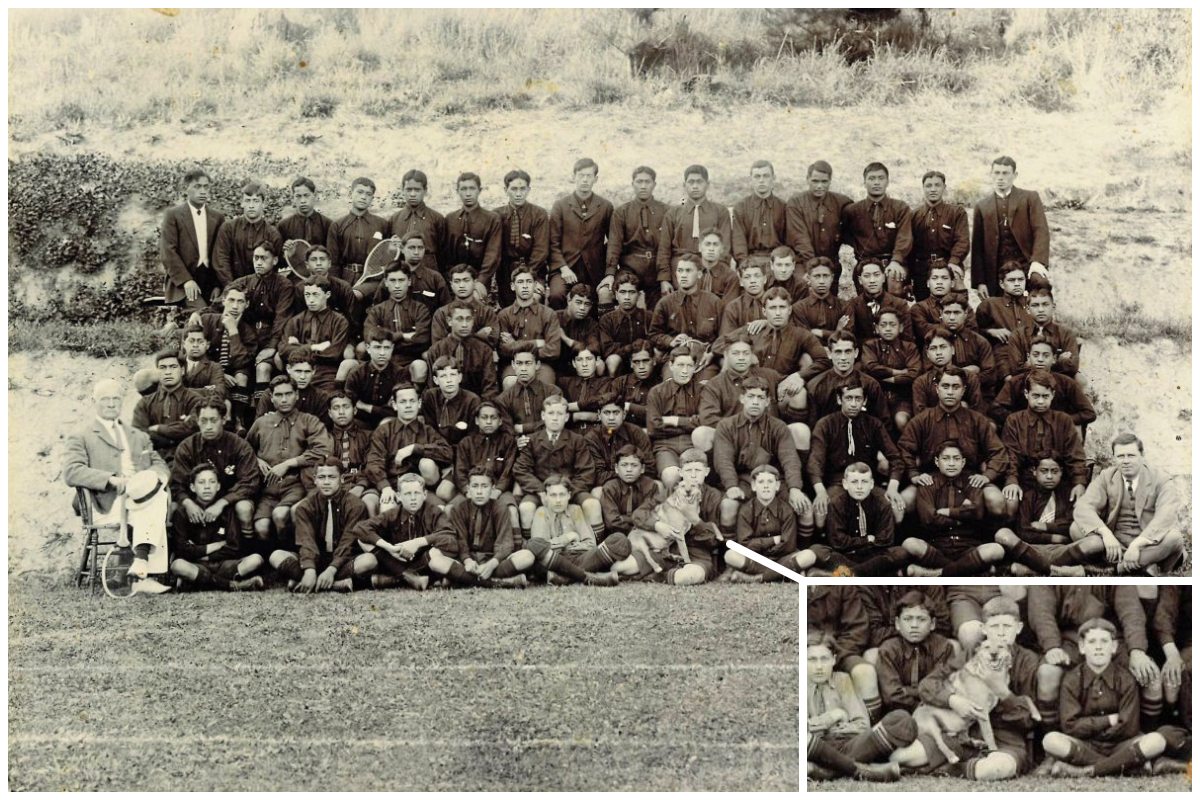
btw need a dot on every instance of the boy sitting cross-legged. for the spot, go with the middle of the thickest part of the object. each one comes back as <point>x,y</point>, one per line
<point>324,521</point>
<point>206,553</point>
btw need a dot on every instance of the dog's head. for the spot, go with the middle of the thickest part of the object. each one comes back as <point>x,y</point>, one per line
<point>993,656</point>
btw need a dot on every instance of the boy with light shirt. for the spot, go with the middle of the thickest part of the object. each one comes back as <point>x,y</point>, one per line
<point>564,543</point>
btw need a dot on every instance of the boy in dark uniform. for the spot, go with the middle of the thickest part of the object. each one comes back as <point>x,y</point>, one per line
<point>352,237</point>
<point>524,234</point>
<point>205,552</point>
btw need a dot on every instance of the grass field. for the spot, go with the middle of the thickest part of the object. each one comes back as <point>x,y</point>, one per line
<point>1027,784</point>
<point>637,688</point>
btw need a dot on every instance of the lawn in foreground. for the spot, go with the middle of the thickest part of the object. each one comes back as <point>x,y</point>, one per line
<point>1028,783</point>
<point>637,688</point>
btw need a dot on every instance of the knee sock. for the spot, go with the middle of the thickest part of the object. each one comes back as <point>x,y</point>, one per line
<point>827,755</point>
<point>290,569</point>
<point>804,534</point>
<point>885,563</point>
<point>1022,553</point>
<point>1083,756</point>
<point>207,577</point>
<point>1126,756</point>
<point>1152,711</point>
<point>1071,555</point>
<point>874,710</point>
<point>1049,712</point>
<point>458,574</point>
<point>933,558</point>
<point>506,570</point>
<point>969,564</point>
<point>1177,738</point>
<point>873,746</point>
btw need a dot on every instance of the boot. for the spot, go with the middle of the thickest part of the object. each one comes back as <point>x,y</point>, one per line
<point>818,773</point>
<point>1165,765</point>
<point>602,579</point>
<point>877,773</point>
<point>249,585</point>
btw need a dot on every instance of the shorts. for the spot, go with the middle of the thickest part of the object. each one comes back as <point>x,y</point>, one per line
<point>954,547</point>
<point>668,451</point>
<point>390,565</point>
<point>227,568</point>
<point>670,563</point>
<point>287,492</point>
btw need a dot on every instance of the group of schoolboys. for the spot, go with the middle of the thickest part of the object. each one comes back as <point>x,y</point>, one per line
<point>650,381</point>
<point>1098,678</point>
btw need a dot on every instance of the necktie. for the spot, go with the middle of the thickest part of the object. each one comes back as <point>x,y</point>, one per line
<point>875,214</point>
<point>1048,513</point>
<point>644,218</point>
<point>816,706</point>
<point>514,229</point>
<point>850,439</point>
<point>312,329</point>
<point>1129,489</point>
<point>821,211</point>
<point>346,450</point>
<point>118,434</point>
<point>223,355</point>
<point>764,214</point>
<point>863,528</point>
<point>329,527</point>
<point>696,221</point>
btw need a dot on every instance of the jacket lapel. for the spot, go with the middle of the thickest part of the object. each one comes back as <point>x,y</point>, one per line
<point>104,435</point>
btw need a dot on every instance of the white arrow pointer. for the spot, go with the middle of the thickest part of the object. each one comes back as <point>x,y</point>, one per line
<point>763,560</point>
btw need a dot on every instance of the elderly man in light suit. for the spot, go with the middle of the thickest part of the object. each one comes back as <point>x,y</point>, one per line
<point>104,453</point>
<point>1134,510</point>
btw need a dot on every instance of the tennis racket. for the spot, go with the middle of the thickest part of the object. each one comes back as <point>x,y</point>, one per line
<point>378,260</point>
<point>114,572</point>
<point>296,259</point>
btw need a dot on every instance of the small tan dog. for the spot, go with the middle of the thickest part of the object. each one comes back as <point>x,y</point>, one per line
<point>983,680</point>
<point>679,512</point>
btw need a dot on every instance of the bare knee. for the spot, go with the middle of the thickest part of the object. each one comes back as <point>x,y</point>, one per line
<point>801,437</point>
<point>1056,744</point>
<point>702,437</point>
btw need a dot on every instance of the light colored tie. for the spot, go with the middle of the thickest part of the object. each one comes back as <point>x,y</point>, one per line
<point>863,528</point>
<point>1049,511</point>
<point>329,528</point>
<point>696,222</point>
<point>127,468</point>
<point>850,437</point>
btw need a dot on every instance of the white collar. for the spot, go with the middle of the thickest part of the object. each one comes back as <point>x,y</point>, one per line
<point>1005,195</point>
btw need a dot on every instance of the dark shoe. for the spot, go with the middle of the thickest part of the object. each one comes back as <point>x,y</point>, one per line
<point>877,773</point>
<point>1165,765</point>
<point>602,579</point>
<point>818,773</point>
<point>249,585</point>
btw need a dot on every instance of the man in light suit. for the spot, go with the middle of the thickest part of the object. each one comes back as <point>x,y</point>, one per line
<point>1134,510</point>
<point>1009,224</point>
<point>186,244</point>
<point>104,454</point>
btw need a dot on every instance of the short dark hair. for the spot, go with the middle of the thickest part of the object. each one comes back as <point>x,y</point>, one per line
<point>266,244</point>
<point>1005,161</point>
<point>760,163</point>
<point>952,298</point>
<point>842,336</point>
<point>875,166</point>
<point>1042,377</point>
<point>625,276</point>
<point>415,175</point>
<point>317,248</point>
<point>167,353</point>
<point>756,382</point>
<point>459,305</point>
<point>321,281</point>
<point>556,479</point>
<point>1011,266</point>
<point>280,380</point>
<point>445,362</point>
<point>200,469</point>
<point>522,269</point>
<point>332,462</point>
<point>517,175</point>
<point>300,355</point>
<point>210,400</point>
<point>580,290</point>
<point>696,169</point>
<point>643,169</point>
<point>194,174</point>
<point>641,346</point>
<point>627,451</point>
<point>933,173</point>
<point>680,351</point>
<point>954,371</point>
<point>819,166</point>
<point>338,394</point>
<point>777,293</point>
<point>468,176</point>
<point>853,382</point>
<point>306,183</point>
<point>755,262</point>
<point>914,598</point>
<point>945,444</point>
<point>585,163</point>
<point>480,471</point>
<point>367,182</point>
<point>819,261</point>
<point>460,268</point>
<point>937,332</point>
<point>254,188</point>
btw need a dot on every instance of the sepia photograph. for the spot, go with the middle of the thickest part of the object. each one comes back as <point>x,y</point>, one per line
<point>1007,688</point>
<point>447,399</point>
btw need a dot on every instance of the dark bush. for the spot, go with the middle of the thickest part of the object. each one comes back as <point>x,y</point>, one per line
<point>65,224</point>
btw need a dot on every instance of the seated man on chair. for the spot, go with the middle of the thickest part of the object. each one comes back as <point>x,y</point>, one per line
<point>102,456</point>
